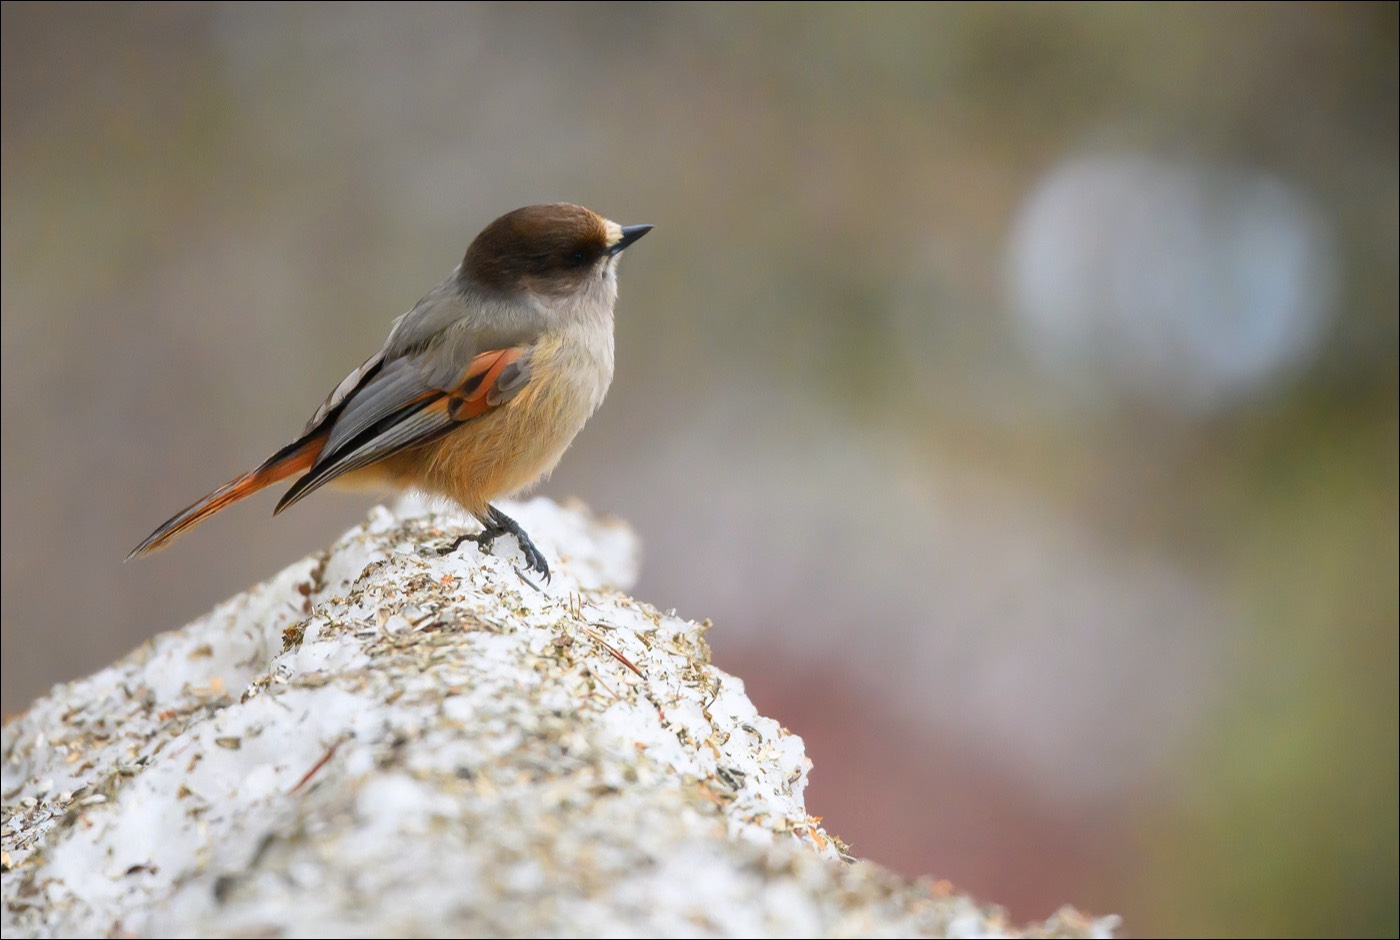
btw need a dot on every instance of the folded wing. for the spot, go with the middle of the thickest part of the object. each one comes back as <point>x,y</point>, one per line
<point>396,410</point>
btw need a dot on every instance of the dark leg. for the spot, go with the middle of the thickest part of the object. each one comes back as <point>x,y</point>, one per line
<point>495,525</point>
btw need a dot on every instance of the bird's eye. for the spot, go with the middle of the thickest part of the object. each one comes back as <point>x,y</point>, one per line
<point>578,259</point>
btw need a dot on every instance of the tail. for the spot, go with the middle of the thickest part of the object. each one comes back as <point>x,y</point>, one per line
<point>295,458</point>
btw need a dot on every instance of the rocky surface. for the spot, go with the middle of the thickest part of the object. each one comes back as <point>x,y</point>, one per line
<point>384,741</point>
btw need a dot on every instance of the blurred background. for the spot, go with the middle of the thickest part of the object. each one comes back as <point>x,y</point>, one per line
<point>1014,386</point>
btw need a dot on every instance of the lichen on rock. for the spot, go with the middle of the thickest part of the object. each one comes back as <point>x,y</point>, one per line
<point>382,740</point>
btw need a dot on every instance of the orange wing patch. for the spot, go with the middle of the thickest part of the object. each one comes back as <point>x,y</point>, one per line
<point>481,389</point>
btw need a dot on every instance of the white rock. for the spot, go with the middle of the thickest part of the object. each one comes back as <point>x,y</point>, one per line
<point>382,741</point>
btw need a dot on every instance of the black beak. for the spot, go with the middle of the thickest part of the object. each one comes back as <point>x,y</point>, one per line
<point>630,233</point>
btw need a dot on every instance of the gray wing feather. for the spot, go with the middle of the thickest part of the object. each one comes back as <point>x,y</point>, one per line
<point>342,391</point>
<point>412,429</point>
<point>395,386</point>
<point>512,379</point>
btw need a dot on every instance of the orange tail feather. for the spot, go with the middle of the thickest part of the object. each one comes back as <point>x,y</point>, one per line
<point>290,460</point>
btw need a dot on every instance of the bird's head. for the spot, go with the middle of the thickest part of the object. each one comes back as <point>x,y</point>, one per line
<point>558,250</point>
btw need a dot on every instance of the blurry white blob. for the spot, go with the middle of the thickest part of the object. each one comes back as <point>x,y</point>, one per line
<point>1191,284</point>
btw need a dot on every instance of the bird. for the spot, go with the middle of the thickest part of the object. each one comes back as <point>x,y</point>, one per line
<point>478,389</point>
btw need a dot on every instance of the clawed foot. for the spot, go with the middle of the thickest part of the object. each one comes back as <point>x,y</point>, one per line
<point>497,524</point>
